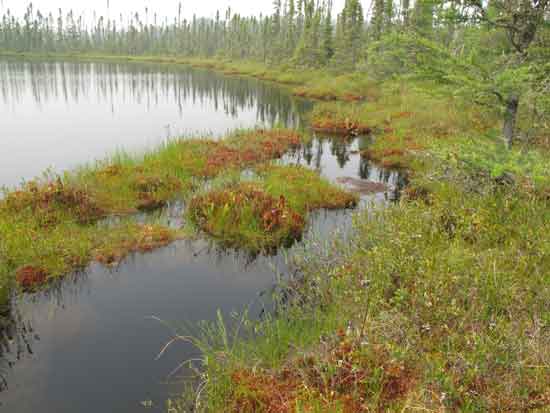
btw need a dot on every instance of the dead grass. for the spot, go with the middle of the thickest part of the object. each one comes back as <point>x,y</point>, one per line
<point>143,239</point>
<point>341,375</point>
<point>31,278</point>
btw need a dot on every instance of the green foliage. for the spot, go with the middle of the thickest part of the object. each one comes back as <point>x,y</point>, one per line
<point>270,211</point>
<point>435,292</point>
<point>494,159</point>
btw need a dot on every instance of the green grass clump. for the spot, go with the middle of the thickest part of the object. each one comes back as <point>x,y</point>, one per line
<point>271,211</point>
<point>343,119</point>
<point>493,158</point>
<point>304,189</point>
<point>246,216</point>
<point>49,227</point>
<point>344,87</point>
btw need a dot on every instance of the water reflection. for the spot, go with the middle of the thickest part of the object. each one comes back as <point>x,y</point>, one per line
<point>62,114</point>
<point>112,84</point>
<point>338,157</point>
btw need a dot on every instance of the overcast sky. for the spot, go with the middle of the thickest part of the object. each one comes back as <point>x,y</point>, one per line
<point>203,8</point>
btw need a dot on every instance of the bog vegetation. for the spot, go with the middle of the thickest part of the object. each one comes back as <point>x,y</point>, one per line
<point>438,303</point>
<point>58,224</point>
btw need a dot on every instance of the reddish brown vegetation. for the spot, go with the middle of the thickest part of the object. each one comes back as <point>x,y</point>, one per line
<point>350,97</point>
<point>262,392</point>
<point>393,151</point>
<point>153,190</point>
<point>309,384</point>
<point>31,278</point>
<point>250,149</point>
<point>47,200</point>
<point>147,239</point>
<point>402,115</point>
<point>272,214</point>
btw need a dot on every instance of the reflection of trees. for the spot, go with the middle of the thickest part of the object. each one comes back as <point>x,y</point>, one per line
<point>341,148</point>
<point>17,334</point>
<point>364,168</point>
<point>16,338</point>
<point>149,85</point>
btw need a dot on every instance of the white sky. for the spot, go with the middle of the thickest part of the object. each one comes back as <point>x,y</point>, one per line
<point>202,8</point>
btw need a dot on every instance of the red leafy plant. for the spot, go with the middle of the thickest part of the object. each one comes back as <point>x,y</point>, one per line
<point>246,216</point>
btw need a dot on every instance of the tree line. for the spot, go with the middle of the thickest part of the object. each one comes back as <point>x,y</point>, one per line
<point>304,32</point>
<point>494,52</point>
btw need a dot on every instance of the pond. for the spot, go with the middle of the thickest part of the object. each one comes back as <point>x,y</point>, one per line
<point>90,342</point>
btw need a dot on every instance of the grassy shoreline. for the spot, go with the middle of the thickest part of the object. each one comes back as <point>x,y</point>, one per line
<point>312,84</point>
<point>439,303</point>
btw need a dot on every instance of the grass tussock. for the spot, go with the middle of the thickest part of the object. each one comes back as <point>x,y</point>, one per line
<point>246,216</point>
<point>51,201</point>
<point>50,226</point>
<point>340,119</point>
<point>245,149</point>
<point>305,189</point>
<point>271,211</point>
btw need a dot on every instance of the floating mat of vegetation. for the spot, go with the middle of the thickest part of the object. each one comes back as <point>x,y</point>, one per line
<point>246,216</point>
<point>58,224</point>
<point>269,212</point>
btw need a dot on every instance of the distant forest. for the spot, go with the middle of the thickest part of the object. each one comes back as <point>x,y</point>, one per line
<point>302,32</point>
<point>492,52</point>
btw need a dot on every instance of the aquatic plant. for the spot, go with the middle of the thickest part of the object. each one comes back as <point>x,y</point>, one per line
<point>246,216</point>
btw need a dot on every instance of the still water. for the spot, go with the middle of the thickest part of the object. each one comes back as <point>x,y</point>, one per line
<point>58,115</point>
<point>90,343</point>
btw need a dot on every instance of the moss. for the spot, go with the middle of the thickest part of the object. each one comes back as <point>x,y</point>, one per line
<point>51,224</point>
<point>271,211</point>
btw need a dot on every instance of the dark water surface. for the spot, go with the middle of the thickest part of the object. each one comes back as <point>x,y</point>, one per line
<point>90,343</point>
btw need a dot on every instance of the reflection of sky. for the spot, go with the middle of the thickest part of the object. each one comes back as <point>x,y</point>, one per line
<point>62,118</point>
<point>97,343</point>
